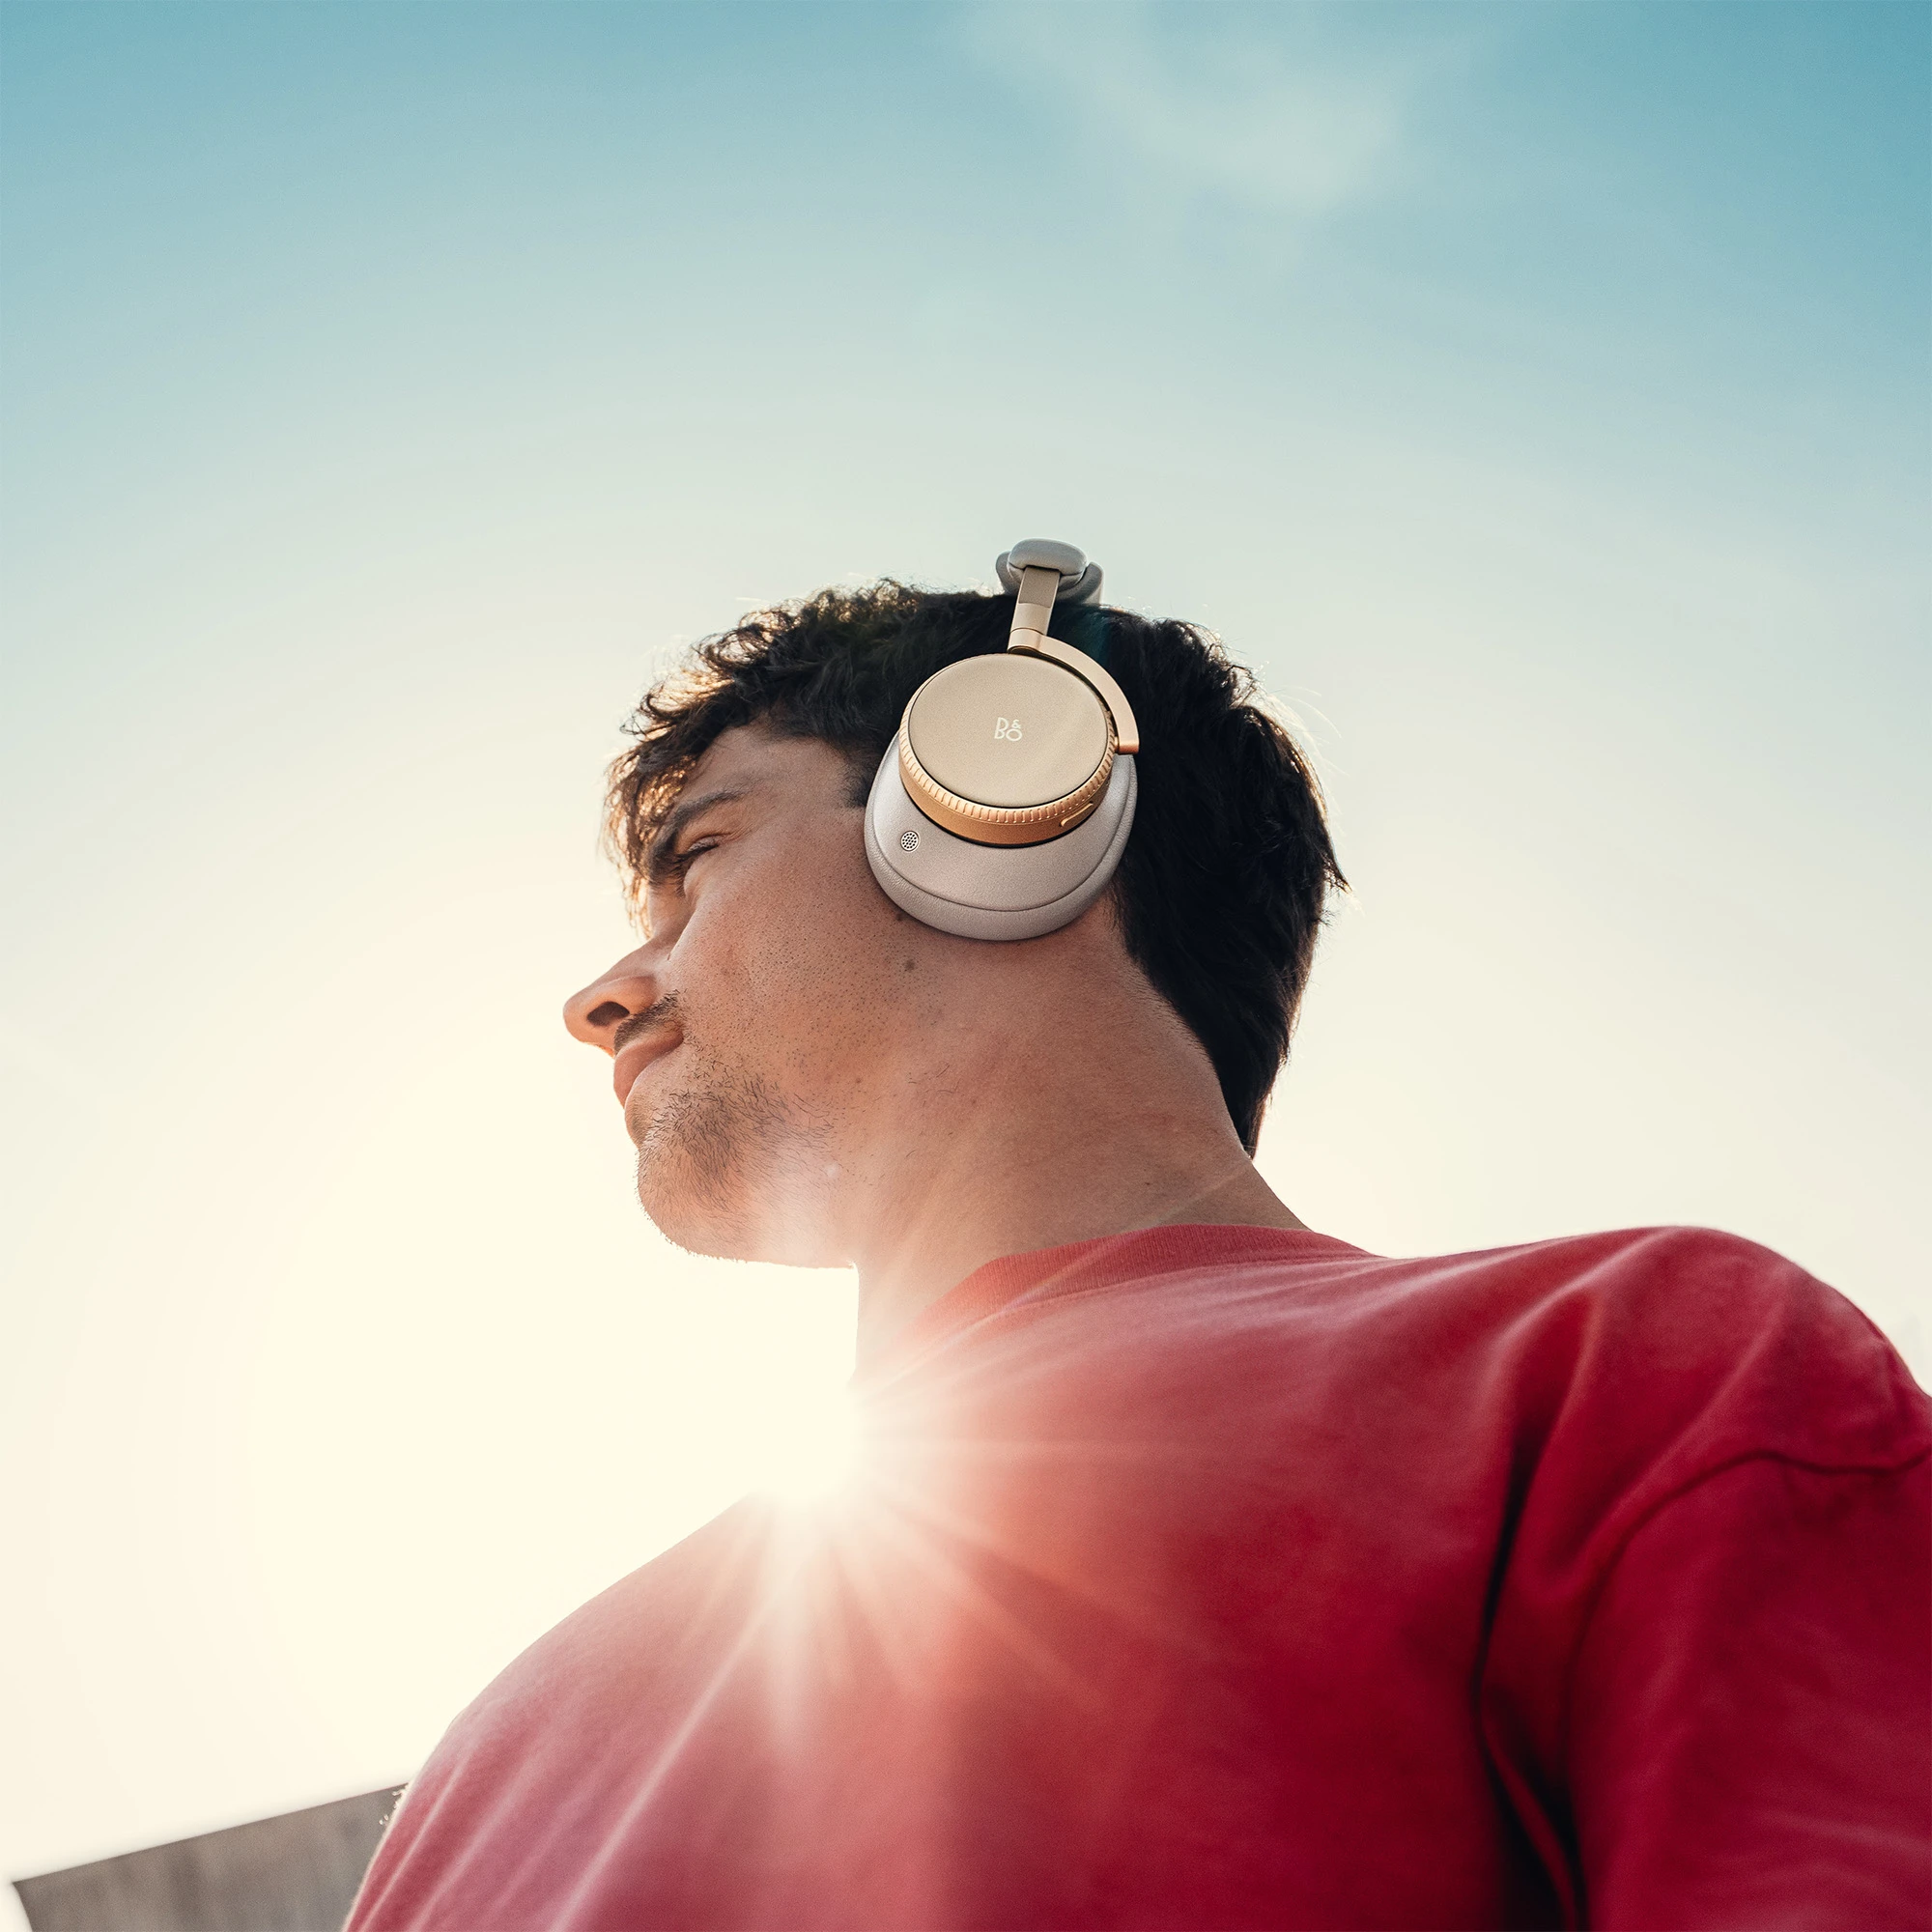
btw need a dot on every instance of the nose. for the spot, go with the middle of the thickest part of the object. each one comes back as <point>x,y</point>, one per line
<point>595,1014</point>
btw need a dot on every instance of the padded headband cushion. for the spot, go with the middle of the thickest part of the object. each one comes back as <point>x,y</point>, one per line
<point>1079,579</point>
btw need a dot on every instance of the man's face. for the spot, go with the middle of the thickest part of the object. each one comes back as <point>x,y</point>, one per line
<point>750,1031</point>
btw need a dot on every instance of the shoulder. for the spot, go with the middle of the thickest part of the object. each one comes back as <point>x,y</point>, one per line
<point>1737,1348</point>
<point>1687,1334</point>
<point>639,1642</point>
<point>1596,1376</point>
<point>1714,1324</point>
<point>533,1758</point>
<point>1626,1367</point>
<point>1683,1288</point>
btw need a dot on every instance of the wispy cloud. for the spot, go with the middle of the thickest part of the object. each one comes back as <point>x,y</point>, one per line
<point>1297,109</point>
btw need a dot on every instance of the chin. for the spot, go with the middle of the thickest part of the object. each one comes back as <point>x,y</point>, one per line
<point>733,1176</point>
<point>750,1231</point>
<point>699,1228</point>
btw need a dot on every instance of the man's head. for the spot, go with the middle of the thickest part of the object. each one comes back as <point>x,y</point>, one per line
<point>780,995</point>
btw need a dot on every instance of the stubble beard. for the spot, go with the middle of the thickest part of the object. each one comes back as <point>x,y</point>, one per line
<point>721,1170</point>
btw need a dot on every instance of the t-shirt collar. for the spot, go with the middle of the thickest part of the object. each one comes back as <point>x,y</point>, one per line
<point>1042,1274</point>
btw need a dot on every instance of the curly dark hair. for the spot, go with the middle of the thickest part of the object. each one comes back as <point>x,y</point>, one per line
<point>1220,892</point>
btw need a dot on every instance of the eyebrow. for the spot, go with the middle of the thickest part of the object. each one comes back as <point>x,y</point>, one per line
<point>664,841</point>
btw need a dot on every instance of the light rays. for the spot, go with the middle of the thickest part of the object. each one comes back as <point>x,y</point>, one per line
<point>807,1450</point>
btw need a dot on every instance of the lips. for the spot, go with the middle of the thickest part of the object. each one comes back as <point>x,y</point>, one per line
<point>636,1057</point>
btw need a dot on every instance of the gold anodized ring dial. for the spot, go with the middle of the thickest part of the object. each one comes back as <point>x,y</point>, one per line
<point>1006,749</point>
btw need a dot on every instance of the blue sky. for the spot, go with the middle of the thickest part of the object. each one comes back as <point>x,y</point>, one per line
<point>1536,395</point>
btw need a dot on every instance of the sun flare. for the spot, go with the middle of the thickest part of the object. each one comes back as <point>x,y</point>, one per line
<point>807,1448</point>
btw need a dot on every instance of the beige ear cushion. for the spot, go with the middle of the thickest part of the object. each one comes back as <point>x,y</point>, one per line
<point>993,892</point>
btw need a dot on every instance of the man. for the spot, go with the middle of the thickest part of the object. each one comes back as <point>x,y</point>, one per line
<point>1202,1571</point>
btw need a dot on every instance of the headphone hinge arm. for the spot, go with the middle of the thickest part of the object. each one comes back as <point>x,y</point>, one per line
<point>1032,605</point>
<point>1033,610</point>
<point>1126,730</point>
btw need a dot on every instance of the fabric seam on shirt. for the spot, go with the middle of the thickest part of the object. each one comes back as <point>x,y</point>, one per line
<point>1864,1469</point>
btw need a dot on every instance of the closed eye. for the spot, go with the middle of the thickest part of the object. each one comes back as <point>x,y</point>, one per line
<point>669,859</point>
<point>671,868</point>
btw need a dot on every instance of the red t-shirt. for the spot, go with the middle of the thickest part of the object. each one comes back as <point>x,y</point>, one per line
<point>1224,1576</point>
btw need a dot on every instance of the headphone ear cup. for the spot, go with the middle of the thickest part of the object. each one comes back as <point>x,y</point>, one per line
<point>993,892</point>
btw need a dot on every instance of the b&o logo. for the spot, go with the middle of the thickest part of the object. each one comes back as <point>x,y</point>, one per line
<point>1006,727</point>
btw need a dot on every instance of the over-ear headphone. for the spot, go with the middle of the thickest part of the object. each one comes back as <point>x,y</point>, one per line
<point>1003,807</point>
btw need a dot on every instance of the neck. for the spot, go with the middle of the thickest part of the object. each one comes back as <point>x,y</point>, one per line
<point>1033,1122</point>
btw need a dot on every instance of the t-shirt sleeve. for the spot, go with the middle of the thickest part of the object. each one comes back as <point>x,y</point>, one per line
<point>1749,1736</point>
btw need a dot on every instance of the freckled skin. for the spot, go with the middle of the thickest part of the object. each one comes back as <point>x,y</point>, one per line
<point>830,1082</point>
